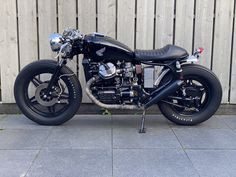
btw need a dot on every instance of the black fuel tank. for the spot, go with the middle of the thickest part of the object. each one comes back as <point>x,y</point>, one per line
<point>99,47</point>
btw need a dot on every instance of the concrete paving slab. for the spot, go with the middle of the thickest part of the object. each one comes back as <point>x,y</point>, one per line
<point>152,162</point>
<point>153,138</point>
<point>212,123</point>
<point>89,121</point>
<point>16,162</point>
<point>22,139</point>
<point>230,120</point>
<point>72,163</point>
<point>158,134</point>
<point>128,121</point>
<point>214,163</point>
<point>2,116</point>
<point>20,122</point>
<point>206,138</point>
<point>80,137</point>
<point>82,132</point>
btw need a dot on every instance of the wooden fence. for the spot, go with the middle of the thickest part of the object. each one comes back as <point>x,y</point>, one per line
<point>26,24</point>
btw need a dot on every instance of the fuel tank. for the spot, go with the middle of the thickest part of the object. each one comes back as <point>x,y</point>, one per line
<point>99,47</point>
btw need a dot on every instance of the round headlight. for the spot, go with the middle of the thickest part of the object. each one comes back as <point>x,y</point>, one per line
<point>55,41</point>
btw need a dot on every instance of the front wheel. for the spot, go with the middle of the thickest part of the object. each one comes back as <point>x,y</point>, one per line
<point>197,100</point>
<point>59,105</point>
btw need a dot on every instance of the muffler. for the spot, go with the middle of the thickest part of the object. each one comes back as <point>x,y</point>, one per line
<point>107,106</point>
<point>168,90</point>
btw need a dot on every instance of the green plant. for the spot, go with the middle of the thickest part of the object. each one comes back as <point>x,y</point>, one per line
<point>105,112</point>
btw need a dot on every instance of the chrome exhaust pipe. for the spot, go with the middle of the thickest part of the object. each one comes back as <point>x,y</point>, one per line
<point>107,106</point>
<point>168,90</point>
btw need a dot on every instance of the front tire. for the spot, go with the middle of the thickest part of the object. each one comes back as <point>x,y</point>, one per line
<point>212,98</point>
<point>50,111</point>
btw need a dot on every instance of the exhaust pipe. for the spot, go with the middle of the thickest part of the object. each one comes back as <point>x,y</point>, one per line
<point>164,93</point>
<point>161,95</point>
<point>107,106</point>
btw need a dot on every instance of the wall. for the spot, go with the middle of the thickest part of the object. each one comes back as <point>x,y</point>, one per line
<point>145,24</point>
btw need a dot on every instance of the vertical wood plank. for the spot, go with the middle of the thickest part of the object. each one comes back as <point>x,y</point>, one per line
<point>204,29</point>
<point>107,17</point>
<point>27,32</point>
<point>67,19</point>
<point>9,51</point>
<point>66,14</point>
<point>125,22</point>
<point>184,24</point>
<point>87,24</point>
<point>87,16</point>
<point>145,24</point>
<point>233,70</point>
<point>47,22</point>
<point>222,43</point>
<point>164,23</point>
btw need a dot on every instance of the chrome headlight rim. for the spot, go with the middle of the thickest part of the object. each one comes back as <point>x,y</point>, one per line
<point>56,41</point>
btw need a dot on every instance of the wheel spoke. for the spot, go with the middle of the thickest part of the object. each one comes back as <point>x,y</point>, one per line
<point>36,81</point>
<point>35,102</point>
<point>32,99</point>
<point>179,98</point>
<point>174,104</point>
<point>201,88</point>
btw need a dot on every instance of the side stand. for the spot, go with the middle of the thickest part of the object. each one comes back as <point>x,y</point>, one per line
<point>142,125</point>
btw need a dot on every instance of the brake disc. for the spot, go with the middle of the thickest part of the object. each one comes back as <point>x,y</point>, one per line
<point>43,99</point>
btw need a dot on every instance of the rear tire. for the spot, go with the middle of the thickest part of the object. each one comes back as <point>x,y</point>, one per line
<point>22,98</point>
<point>210,107</point>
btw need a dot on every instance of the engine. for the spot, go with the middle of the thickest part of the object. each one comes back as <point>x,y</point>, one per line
<point>123,82</point>
<point>119,83</point>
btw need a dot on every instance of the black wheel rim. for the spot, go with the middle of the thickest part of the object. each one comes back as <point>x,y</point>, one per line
<point>187,109</point>
<point>47,111</point>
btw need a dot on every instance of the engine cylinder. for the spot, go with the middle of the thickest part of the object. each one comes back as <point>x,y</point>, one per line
<point>107,71</point>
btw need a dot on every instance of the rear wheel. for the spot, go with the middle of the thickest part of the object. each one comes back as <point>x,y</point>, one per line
<point>30,93</point>
<point>197,100</point>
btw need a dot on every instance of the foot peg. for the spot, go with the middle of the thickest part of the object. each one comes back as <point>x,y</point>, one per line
<point>142,125</point>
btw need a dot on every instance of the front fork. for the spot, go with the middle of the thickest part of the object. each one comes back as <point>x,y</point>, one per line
<point>55,75</point>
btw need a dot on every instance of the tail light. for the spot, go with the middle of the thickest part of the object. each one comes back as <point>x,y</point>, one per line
<point>200,50</point>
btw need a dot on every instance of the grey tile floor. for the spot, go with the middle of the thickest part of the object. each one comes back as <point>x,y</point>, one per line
<point>95,145</point>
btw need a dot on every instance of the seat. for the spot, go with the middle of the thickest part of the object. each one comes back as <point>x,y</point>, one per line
<point>169,52</point>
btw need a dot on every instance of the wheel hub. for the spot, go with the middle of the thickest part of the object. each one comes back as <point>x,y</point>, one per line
<point>193,92</point>
<point>42,98</point>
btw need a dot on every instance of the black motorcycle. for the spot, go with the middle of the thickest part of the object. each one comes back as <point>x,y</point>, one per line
<point>49,93</point>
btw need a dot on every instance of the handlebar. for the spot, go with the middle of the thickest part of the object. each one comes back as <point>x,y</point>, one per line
<point>64,50</point>
<point>69,36</point>
<point>72,35</point>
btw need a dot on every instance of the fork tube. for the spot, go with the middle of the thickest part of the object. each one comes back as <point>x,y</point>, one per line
<point>55,75</point>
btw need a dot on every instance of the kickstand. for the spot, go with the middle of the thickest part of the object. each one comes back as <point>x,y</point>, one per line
<point>142,125</point>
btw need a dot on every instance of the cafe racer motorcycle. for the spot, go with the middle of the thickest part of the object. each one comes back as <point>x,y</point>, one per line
<point>49,93</point>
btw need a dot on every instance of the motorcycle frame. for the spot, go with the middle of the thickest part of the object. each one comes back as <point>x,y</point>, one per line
<point>177,72</point>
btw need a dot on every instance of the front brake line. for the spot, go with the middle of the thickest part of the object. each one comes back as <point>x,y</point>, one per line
<point>60,83</point>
